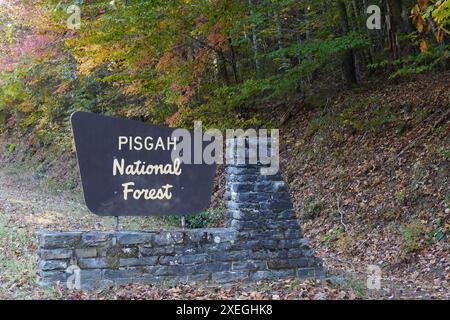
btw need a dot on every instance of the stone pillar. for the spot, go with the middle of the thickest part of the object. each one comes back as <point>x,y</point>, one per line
<point>260,208</point>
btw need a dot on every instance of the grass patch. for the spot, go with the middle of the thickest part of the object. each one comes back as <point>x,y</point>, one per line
<point>18,258</point>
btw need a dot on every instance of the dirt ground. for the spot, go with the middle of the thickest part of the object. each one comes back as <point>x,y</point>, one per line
<point>28,205</point>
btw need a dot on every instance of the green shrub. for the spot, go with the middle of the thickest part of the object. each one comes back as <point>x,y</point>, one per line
<point>312,208</point>
<point>213,217</point>
<point>411,233</point>
<point>11,147</point>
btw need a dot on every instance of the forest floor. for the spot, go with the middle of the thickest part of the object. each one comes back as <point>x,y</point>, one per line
<point>28,205</point>
<point>368,171</point>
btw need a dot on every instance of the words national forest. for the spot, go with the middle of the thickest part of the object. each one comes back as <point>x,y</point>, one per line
<point>225,150</point>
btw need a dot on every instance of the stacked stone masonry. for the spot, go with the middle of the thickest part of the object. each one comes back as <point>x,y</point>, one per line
<point>263,241</point>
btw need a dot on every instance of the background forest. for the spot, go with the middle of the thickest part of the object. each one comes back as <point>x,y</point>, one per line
<point>216,61</point>
<point>361,98</point>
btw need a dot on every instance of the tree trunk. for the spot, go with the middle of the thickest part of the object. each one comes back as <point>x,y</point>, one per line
<point>391,31</point>
<point>349,58</point>
<point>404,16</point>
<point>286,63</point>
<point>254,38</point>
<point>233,62</point>
<point>223,68</point>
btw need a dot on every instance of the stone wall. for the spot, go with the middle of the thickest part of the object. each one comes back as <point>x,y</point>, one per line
<point>263,241</point>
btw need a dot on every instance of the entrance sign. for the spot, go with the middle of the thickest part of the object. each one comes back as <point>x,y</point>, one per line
<point>126,169</point>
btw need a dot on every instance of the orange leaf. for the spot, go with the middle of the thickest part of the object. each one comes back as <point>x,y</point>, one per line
<point>423,45</point>
<point>419,24</point>
<point>423,3</point>
<point>439,36</point>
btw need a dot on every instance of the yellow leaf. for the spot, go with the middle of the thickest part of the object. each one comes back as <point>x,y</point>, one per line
<point>423,45</point>
<point>419,24</point>
<point>439,36</point>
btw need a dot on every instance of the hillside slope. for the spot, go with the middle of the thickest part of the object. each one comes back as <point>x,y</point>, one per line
<point>369,172</point>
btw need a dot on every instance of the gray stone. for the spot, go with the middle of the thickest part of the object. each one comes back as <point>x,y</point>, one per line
<point>244,178</point>
<point>294,233</point>
<point>230,255</point>
<point>132,262</point>
<point>243,214</point>
<point>287,214</point>
<point>96,238</point>
<point>55,254</point>
<point>169,260</point>
<point>248,245</point>
<point>123,281</point>
<point>189,249</point>
<point>164,239</point>
<point>281,196</point>
<point>244,225</point>
<point>220,235</point>
<point>242,187</point>
<point>249,265</point>
<point>300,262</point>
<point>93,263</point>
<point>47,265</point>
<point>54,240</point>
<point>280,205</point>
<point>269,244</point>
<point>296,253</point>
<point>279,186</point>
<point>129,252</point>
<point>174,270</point>
<point>306,272</point>
<point>244,197</point>
<point>264,186</point>
<point>129,272</point>
<point>233,205</point>
<point>199,277</point>
<point>194,259</point>
<point>130,238</point>
<point>275,177</point>
<point>273,274</point>
<point>213,267</point>
<point>292,243</point>
<point>196,236</point>
<point>91,274</point>
<point>241,171</point>
<point>86,253</point>
<point>96,284</point>
<point>49,278</point>
<point>156,251</point>
<point>229,276</point>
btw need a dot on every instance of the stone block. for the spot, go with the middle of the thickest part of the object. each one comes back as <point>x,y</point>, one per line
<point>213,267</point>
<point>86,253</point>
<point>93,263</point>
<point>156,251</point>
<point>249,265</point>
<point>55,254</point>
<point>229,276</point>
<point>96,238</point>
<point>54,240</point>
<point>133,262</point>
<point>273,274</point>
<point>133,238</point>
<point>49,265</point>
